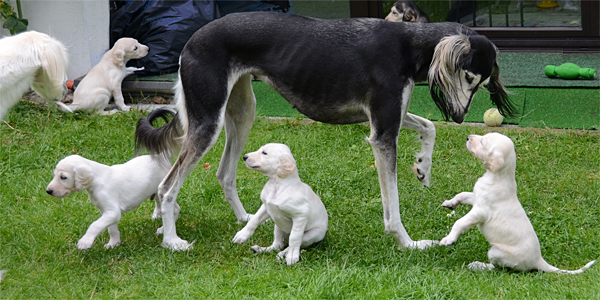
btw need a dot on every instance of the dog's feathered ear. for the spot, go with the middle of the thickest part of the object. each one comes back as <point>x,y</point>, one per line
<point>83,177</point>
<point>499,95</point>
<point>118,57</point>
<point>448,55</point>
<point>410,15</point>
<point>494,163</point>
<point>286,165</point>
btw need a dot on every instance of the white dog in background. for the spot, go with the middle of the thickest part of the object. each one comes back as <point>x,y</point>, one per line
<point>497,210</point>
<point>104,80</point>
<point>296,210</point>
<point>112,189</point>
<point>31,60</point>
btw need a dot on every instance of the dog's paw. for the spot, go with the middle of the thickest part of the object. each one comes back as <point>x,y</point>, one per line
<point>84,244</point>
<point>449,204</point>
<point>422,169</point>
<point>176,244</point>
<point>244,219</point>
<point>447,241</point>
<point>159,231</point>
<point>125,108</point>
<point>112,244</point>
<point>480,266</point>
<point>242,236</point>
<point>423,244</point>
<point>281,255</point>
<point>156,215</point>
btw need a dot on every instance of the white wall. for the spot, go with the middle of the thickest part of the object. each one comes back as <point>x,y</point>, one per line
<point>81,25</point>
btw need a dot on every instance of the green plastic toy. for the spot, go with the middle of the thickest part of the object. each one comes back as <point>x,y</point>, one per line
<point>569,71</point>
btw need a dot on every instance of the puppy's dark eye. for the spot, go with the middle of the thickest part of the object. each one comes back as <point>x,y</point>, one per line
<point>264,153</point>
<point>135,49</point>
<point>63,177</point>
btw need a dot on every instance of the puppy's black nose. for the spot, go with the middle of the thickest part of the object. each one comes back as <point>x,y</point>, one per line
<point>245,157</point>
<point>467,138</point>
<point>49,192</point>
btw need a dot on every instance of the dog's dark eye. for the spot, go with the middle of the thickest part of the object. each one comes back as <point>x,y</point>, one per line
<point>135,49</point>
<point>264,153</point>
<point>469,78</point>
<point>63,177</point>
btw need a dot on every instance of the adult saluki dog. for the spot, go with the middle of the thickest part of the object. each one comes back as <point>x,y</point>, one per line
<point>333,71</point>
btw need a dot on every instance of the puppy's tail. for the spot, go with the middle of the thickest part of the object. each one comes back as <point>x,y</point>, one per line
<point>52,55</point>
<point>162,141</point>
<point>549,268</point>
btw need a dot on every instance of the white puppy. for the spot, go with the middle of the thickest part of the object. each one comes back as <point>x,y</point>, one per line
<point>112,189</point>
<point>104,80</point>
<point>296,210</point>
<point>497,210</point>
<point>31,60</point>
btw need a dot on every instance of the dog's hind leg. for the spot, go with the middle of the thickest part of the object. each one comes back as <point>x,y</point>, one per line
<point>426,130</point>
<point>386,121</point>
<point>239,116</point>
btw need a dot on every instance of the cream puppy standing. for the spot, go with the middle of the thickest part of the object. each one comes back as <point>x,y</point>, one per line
<point>497,210</point>
<point>104,80</point>
<point>296,210</point>
<point>112,189</point>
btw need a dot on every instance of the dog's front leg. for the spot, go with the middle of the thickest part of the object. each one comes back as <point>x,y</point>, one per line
<point>243,235</point>
<point>107,219</point>
<point>115,236</point>
<point>118,96</point>
<point>464,198</point>
<point>131,70</point>
<point>463,224</point>
<point>292,253</point>
<point>278,241</point>
<point>385,157</point>
<point>426,130</point>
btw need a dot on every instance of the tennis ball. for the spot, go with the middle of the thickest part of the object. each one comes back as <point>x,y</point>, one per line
<point>492,117</point>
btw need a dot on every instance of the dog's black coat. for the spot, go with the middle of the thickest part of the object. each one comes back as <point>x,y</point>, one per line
<point>333,71</point>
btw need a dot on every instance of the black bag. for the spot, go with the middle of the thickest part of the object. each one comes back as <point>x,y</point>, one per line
<point>162,25</point>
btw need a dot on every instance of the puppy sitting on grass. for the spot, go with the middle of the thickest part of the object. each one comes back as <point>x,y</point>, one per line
<point>497,210</point>
<point>112,189</point>
<point>298,213</point>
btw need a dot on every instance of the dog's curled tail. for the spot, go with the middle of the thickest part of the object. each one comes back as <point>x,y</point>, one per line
<point>587,266</point>
<point>161,141</point>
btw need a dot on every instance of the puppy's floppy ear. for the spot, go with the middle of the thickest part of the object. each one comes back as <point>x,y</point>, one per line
<point>83,177</point>
<point>286,165</point>
<point>119,57</point>
<point>495,162</point>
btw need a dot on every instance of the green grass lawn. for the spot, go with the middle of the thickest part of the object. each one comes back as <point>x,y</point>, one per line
<point>558,173</point>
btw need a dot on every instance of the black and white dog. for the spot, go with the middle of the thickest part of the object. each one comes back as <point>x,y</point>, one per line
<point>333,71</point>
<point>406,11</point>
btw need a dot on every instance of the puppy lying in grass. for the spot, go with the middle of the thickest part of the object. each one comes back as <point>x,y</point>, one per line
<point>497,210</point>
<point>112,189</point>
<point>298,213</point>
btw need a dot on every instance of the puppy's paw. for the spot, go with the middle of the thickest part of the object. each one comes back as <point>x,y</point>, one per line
<point>259,249</point>
<point>423,244</point>
<point>447,241</point>
<point>281,255</point>
<point>112,244</point>
<point>176,244</point>
<point>480,266</point>
<point>242,236</point>
<point>125,108</point>
<point>84,244</point>
<point>292,257</point>
<point>449,204</point>
<point>156,215</point>
<point>159,231</point>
